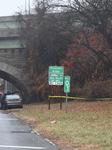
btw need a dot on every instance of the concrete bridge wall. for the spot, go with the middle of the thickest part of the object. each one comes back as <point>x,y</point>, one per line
<point>13,56</point>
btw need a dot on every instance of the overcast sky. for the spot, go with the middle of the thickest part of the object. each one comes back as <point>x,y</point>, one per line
<point>10,7</point>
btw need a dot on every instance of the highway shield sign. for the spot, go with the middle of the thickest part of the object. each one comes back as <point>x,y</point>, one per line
<point>67,84</point>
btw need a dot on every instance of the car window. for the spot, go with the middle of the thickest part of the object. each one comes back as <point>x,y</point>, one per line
<point>12,96</point>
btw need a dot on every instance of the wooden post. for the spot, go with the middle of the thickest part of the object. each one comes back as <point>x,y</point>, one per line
<point>60,104</point>
<point>49,102</point>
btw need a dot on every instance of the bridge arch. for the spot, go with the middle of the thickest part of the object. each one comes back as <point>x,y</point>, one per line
<point>16,77</point>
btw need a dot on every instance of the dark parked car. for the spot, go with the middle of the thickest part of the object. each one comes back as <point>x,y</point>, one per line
<point>10,101</point>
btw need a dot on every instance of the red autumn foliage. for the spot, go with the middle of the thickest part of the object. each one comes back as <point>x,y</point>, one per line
<point>82,64</point>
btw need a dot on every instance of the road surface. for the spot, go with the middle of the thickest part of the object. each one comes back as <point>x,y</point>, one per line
<point>16,135</point>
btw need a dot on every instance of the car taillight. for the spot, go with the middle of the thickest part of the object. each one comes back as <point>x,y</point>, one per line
<point>7,100</point>
<point>19,99</point>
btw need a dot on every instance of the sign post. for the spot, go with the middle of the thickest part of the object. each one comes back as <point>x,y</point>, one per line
<point>67,89</point>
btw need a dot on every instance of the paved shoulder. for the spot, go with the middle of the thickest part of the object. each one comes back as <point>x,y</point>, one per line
<point>17,135</point>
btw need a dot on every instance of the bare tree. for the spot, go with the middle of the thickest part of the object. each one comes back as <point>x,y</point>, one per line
<point>88,17</point>
<point>43,36</point>
<point>48,33</point>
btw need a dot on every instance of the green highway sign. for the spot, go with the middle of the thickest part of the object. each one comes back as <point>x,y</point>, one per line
<point>67,84</point>
<point>56,74</point>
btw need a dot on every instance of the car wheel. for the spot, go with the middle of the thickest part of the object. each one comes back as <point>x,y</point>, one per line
<point>4,107</point>
<point>21,106</point>
<point>1,107</point>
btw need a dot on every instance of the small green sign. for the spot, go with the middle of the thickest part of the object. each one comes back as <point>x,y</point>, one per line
<point>56,74</point>
<point>67,84</point>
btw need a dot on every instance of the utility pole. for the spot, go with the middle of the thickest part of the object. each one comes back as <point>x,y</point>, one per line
<point>25,6</point>
<point>29,6</point>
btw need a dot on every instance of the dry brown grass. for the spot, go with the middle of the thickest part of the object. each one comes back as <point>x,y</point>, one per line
<point>87,126</point>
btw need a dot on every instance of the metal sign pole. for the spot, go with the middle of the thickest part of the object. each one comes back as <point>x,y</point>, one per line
<point>66,102</point>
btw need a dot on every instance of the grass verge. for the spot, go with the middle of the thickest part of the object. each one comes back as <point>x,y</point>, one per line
<point>86,126</point>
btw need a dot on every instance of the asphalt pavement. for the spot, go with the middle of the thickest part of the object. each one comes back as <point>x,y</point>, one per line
<point>16,135</point>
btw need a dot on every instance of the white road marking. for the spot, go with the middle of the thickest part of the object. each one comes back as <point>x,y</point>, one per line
<point>22,147</point>
<point>49,141</point>
<point>7,119</point>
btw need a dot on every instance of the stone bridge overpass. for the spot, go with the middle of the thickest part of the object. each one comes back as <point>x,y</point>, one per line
<point>13,56</point>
